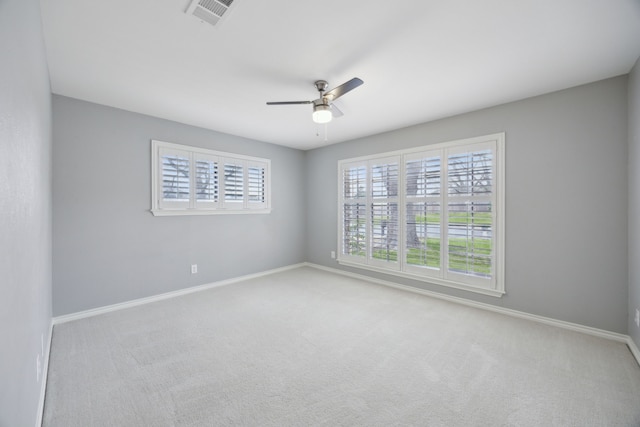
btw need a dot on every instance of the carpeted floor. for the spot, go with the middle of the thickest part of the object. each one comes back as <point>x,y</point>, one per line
<point>310,348</point>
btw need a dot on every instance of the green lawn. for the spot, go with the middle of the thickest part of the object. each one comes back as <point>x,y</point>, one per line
<point>465,255</point>
<point>460,259</point>
<point>478,218</point>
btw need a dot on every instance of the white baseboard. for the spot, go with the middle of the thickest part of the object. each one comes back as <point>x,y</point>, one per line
<point>141,301</point>
<point>45,375</point>
<point>509,312</point>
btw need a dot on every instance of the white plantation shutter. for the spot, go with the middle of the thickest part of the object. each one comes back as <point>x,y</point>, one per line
<point>423,237</point>
<point>233,183</point>
<point>423,226</point>
<point>175,176</point>
<point>434,213</point>
<point>469,242</point>
<point>384,232</point>
<point>354,210</point>
<point>191,181</point>
<point>369,212</point>
<point>207,178</point>
<point>470,224</point>
<point>469,173</point>
<point>257,185</point>
<point>383,202</point>
<point>354,224</point>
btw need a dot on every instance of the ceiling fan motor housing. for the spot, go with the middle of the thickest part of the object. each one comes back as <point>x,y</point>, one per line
<point>321,85</point>
<point>321,111</point>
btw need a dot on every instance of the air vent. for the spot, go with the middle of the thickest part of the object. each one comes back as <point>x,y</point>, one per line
<point>211,11</point>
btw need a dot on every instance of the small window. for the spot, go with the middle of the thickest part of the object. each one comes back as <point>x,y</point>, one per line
<point>196,181</point>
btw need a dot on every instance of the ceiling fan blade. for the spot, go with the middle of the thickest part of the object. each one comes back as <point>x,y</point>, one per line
<point>337,92</point>
<point>336,111</point>
<point>289,102</point>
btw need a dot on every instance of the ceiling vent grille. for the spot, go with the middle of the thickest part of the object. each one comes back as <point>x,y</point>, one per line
<point>211,11</point>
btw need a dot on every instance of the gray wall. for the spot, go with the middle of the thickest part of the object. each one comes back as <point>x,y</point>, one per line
<point>566,200</point>
<point>108,247</point>
<point>25,209</point>
<point>634,200</point>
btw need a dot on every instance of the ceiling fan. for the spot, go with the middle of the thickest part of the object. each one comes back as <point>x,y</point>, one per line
<point>323,109</point>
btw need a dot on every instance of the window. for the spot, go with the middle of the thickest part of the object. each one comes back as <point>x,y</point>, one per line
<point>435,213</point>
<point>195,181</point>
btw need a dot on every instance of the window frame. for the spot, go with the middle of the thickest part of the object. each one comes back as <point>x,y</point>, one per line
<point>493,286</point>
<point>220,205</point>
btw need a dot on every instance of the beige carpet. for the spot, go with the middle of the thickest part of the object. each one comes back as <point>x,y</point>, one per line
<point>310,348</point>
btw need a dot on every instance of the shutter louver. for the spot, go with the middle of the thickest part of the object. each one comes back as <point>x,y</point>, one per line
<point>423,234</point>
<point>256,184</point>
<point>175,177</point>
<point>384,180</point>
<point>384,211</point>
<point>207,187</point>
<point>423,203</point>
<point>470,173</point>
<point>354,229</point>
<point>384,231</point>
<point>470,238</point>
<point>423,177</point>
<point>355,184</point>
<point>354,215</point>
<point>469,213</point>
<point>233,183</point>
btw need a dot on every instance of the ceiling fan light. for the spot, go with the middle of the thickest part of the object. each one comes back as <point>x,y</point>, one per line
<point>322,113</point>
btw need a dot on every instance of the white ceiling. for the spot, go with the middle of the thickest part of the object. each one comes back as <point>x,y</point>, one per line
<point>420,59</point>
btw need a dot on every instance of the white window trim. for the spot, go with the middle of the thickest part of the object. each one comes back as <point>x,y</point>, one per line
<point>195,207</point>
<point>497,287</point>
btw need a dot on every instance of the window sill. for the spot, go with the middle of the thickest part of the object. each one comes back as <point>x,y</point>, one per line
<point>179,212</point>
<point>434,280</point>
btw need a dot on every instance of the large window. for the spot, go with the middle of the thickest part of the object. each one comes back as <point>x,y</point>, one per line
<point>435,213</point>
<point>195,181</point>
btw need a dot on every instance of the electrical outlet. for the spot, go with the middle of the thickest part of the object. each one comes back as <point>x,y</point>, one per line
<point>194,268</point>
<point>333,254</point>
<point>637,318</point>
